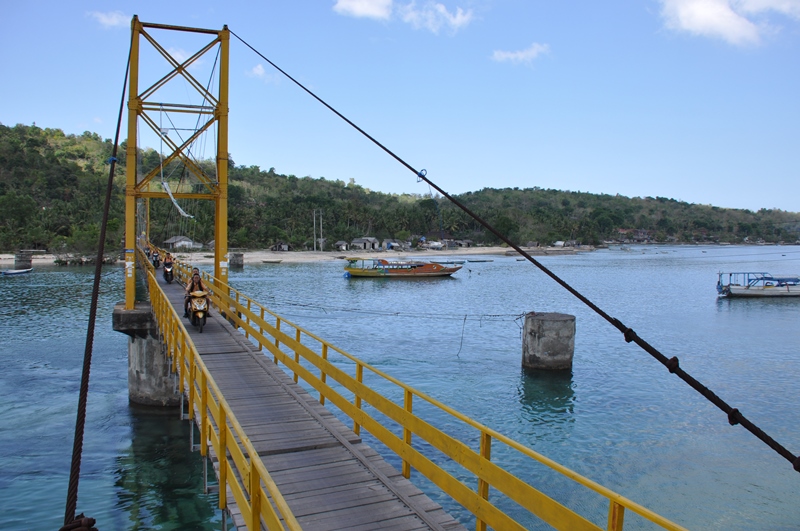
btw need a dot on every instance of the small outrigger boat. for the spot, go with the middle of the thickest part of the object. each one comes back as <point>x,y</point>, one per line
<point>380,268</point>
<point>448,262</point>
<point>758,285</point>
<point>10,272</point>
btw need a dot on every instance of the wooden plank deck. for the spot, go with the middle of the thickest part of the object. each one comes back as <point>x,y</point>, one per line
<point>329,477</point>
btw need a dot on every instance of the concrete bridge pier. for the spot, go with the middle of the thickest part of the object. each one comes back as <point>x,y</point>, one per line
<point>548,341</point>
<point>23,259</point>
<point>149,380</point>
<point>236,260</point>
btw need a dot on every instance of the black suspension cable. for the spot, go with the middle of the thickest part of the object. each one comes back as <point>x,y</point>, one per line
<point>80,422</point>
<point>672,364</point>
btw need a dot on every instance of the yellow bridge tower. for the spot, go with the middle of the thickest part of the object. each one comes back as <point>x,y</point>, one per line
<point>143,105</point>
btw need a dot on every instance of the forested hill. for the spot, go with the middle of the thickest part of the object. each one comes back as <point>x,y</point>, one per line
<point>52,186</point>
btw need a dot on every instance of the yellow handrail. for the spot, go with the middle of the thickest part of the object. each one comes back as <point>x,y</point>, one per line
<point>257,496</point>
<point>274,334</point>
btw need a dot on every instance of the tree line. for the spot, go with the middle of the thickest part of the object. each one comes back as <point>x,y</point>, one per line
<point>52,186</point>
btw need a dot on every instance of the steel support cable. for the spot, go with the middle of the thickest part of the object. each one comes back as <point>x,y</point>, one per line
<point>672,364</point>
<point>190,155</point>
<point>80,421</point>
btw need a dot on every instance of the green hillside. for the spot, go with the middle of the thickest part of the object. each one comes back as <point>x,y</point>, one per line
<point>52,186</point>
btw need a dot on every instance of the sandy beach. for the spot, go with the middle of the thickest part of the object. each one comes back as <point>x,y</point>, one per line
<point>292,257</point>
<point>259,256</point>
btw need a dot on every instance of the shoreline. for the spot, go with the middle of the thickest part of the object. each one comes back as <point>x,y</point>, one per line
<point>294,257</point>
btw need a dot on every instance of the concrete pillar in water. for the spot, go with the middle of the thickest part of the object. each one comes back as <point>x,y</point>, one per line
<point>236,260</point>
<point>548,341</point>
<point>149,379</point>
<point>23,260</point>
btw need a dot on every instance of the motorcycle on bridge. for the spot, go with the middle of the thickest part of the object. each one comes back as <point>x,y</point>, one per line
<point>169,276</point>
<point>198,308</point>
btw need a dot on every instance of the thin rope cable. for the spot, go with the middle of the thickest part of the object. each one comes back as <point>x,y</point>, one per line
<point>80,421</point>
<point>672,364</point>
<point>185,216</point>
<point>164,183</point>
<point>174,201</point>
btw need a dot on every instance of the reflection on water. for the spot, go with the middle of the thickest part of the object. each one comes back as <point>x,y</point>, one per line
<point>137,471</point>
<point>159,482</point>
<point>546,397</point>
<point>769,304</point>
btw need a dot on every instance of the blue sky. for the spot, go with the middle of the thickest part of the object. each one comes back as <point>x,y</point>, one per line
<point>696,100</point>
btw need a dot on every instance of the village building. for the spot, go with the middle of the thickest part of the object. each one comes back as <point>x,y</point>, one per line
<point>182,242</point>
<point>634,235</point>
<point>367,243</point>
<point>393,245</point>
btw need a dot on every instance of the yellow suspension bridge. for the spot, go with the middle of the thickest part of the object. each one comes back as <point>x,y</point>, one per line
<point>258,387</point>
<point>283,461</point>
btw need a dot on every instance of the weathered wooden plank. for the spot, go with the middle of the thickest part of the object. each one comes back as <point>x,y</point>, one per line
<point>402,523</point>
<point>276,463</point>
<point>336,500</point>
<point>351,517</point>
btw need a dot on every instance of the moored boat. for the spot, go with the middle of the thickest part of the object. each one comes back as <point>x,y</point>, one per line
<point>10,272</point>
<point>381,268</point>
<point>753,284</point>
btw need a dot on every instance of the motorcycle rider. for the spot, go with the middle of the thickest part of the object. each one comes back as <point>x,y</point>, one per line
<point>195,284</point>
<point>167,264</point>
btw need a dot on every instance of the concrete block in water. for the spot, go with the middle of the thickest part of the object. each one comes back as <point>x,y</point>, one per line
<point>23,260</point>
<point>236,260</point>
<point>548,341</point>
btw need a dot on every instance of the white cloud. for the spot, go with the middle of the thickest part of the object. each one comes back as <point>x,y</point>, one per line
<point>181,55</point>
<point>710,18</point>
<point>256,71</point>
<point>259,72</point>
<point>378,9</point>
<point>733,21</point>
<point>786,7</point>
<point>522,56</point>
<point>112,19</point>
<point>433,16</point>
<point>178,54</point>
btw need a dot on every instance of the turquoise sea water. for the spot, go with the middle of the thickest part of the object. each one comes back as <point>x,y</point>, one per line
<point>618,418</point>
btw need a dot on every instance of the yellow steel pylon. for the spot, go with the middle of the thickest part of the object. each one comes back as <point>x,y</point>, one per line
<point>140,105</point>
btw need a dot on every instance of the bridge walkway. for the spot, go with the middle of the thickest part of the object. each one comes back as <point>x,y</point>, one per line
<point>328,476</point>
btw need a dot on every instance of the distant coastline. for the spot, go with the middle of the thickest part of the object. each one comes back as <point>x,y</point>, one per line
<point>258,256</point>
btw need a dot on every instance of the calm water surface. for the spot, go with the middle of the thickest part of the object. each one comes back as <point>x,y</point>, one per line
<point>137,471</point>
<point>618,418</point>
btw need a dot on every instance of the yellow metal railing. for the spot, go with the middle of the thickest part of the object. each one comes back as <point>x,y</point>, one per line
<point>240,467</point>
<point>284,341</point>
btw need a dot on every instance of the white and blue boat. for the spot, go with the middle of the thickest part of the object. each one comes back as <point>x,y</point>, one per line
<point>10,272</point>
<point>752,284</point>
